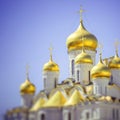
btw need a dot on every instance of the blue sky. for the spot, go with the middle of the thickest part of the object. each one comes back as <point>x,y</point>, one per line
<point>28,27</point>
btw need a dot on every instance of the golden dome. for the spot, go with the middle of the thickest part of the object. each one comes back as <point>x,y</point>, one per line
<point>83,58</point>
<point>27,87</point>
<point>115,62</point>
<point>74,41</point>
<point>51,66</point>
<point>100,70</point>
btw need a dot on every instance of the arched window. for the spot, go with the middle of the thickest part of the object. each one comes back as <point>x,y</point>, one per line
<point>111,80</point>
<point>55,84</point>
<point>72,64</point>
<point>117,114</point>
<point>78,75</point>
<point>89,76</point>
<point>87,115</point>
<point>69,116</point>
<point>42,117</point>
<point>44,82</point>
<point>113,113</point>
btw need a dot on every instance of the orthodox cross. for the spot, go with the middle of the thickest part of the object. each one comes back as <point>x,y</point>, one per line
<point>81,12</point>
<point>51,49</point>
<point>27,71</point>
<point>100,46</point>
<point>116,45</point>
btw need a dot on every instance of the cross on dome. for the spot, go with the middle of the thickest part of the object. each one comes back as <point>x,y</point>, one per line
<point>51,49</point>
<point>81,12</point>
<point>100,48</point>
<point>27,71</point>
<point>117,44</point>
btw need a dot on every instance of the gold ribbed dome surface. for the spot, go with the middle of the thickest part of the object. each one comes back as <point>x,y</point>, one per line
<point>57,100</point>
<point>27,87</point>
<point>40,102</point>
<point>115,62</point>
<point>100,71</point>
<point>83,58</point>
<point>75,41</point>
<point>51,66</point>
<point>74,99</point>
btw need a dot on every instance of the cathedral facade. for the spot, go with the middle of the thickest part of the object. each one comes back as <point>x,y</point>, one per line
<point>91,91</point>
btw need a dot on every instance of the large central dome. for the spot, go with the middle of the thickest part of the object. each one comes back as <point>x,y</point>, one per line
<point>81,36</point>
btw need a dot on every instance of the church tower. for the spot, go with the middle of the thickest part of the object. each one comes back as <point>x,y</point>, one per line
<point>114,66</point>
<point>100,75</point>
<point>27,91</point>
<point>75,42</point>
<point>83,65</point>
<point>50,74</point>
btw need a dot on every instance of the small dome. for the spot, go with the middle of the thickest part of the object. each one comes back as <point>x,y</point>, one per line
<point>27,87</point>
<point>115,62</point>
<point>74,41</point>
<point>83,58</point>
<point>100,71</point>
<point>51,66</point>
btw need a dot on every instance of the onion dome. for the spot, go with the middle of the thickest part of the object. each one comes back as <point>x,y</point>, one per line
<point>74,41</point>
<point>115,62</point>
<point>100,70</point>
<point>27,87</point>
<point>51,66</point>
<point>83,58</point>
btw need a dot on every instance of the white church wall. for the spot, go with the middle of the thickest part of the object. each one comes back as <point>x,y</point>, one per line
<point>113,91</point>
<point>116,76</point>
<point>50,114</point>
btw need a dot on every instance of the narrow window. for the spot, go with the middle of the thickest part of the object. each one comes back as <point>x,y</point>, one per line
<point>113,114</point>
<point>87,115</point>
<point>117,114</point>
<point>42,117</point>
<point>89,76</point>
<point>55,84</point>
<point>44,82</point>
<point>78,75</point>
<point>72,67</point>
<point>69,116</point>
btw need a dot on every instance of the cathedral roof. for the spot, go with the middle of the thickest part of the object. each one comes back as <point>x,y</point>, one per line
<point>75,98</point>
<point>74,41</point>
<point>57,100</point>
<point>40,102</point>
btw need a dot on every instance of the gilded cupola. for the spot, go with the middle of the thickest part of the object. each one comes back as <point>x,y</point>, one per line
<point>115,62</point>
<point>74,40</point>
<point>51,65</point>
<point>100,70</point>
<point>83,58</point>
<point>27,87</point>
